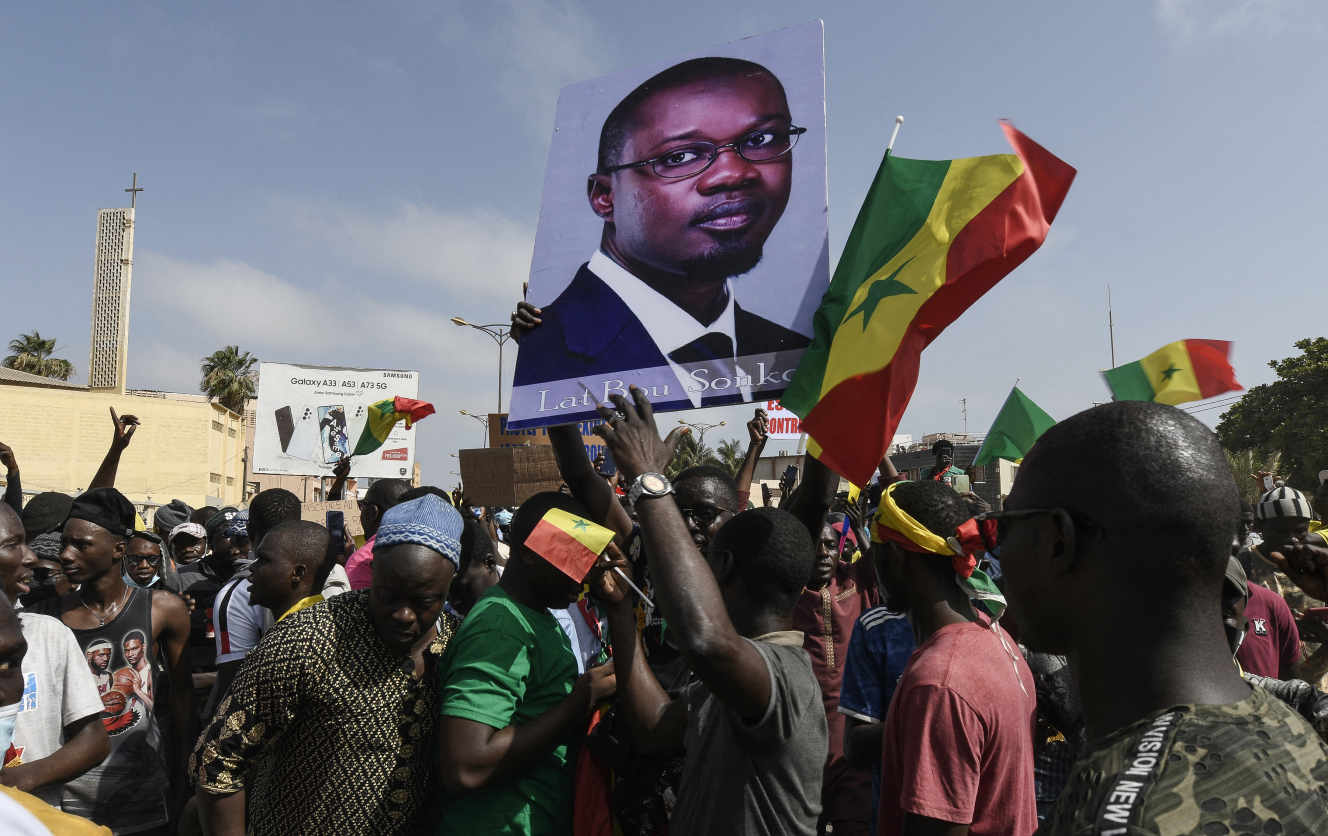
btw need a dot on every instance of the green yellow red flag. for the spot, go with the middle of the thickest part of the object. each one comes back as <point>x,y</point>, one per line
<point>383,416</point>
<point>569,542</point>
<point>931,237</point>
<point>1186,370</point>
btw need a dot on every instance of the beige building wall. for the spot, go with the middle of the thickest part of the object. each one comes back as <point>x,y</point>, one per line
<point>186,448</point>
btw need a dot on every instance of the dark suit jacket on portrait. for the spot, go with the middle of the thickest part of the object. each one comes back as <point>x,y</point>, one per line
<point>588,330</point>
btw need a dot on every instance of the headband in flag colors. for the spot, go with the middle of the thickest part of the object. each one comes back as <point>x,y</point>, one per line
<point>383,416</point>
<point>895,525</point>
<point>569,542</point>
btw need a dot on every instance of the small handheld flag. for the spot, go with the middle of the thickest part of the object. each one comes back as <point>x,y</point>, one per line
<point>383,416</point>
<point>1179,372</point>
<point>569,542</point>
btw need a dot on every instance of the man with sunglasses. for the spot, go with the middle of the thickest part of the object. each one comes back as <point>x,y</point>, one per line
<point>144,563</point>
<point>694,171</point>
<point>1115,543</point>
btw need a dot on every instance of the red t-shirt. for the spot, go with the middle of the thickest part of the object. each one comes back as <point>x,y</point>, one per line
<point>1272,640</point>
<point>959,735</point>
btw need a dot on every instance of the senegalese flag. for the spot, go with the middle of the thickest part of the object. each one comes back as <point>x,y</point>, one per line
<point>1019,423</point>
<point>1186,370</point>
<point>569,542</point>
<point>931,237</point>
<point>383,416</point>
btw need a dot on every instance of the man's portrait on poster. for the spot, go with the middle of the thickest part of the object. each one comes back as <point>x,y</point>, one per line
<point>693,172</point>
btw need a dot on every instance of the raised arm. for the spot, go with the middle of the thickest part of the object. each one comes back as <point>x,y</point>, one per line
<point>685,586</point>
<point>341,473</point>
<point>13,485</point>
<point>124,427</point>
<point>587,486</point>
<point>757,436</point>
<point>813,497</point>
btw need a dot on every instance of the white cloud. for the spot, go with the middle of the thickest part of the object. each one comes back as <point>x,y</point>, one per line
<point>479,256</point>
<point>1190,20</point>
<point>538,46</point>
<point>224,301</point>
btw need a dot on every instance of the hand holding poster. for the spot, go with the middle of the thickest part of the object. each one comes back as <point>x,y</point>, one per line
<point>682,240</point>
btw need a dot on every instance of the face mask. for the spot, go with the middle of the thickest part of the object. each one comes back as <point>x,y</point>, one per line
<point>8,717</point>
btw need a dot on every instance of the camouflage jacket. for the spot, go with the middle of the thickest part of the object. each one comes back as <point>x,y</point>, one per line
<point>1254,766</point>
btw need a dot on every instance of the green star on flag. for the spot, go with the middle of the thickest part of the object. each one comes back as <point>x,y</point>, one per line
<point>888,286</point>
<point>580,524</point>
<point>1167,373</point>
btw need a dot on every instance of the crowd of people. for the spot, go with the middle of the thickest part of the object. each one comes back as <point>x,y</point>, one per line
<point>1122,647</point>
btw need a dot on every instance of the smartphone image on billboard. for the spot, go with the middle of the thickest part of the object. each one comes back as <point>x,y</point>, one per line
<point>334,441</point>
<point>285,427</point>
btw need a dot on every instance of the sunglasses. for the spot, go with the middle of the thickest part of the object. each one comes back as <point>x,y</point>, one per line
<point>703,515</point>
<point>1068,521</point>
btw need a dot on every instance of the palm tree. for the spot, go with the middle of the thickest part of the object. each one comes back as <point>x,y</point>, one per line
<point>731,454</point>
<point>32,354</point>
<point>690,454</point>
<point>229,377</point>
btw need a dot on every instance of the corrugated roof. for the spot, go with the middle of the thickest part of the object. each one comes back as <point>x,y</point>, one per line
<point>8,375</point>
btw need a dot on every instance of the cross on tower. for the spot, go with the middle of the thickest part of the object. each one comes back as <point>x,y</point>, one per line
<point>133,190</point>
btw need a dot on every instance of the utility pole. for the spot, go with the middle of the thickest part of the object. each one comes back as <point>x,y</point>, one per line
<point>963,407</point>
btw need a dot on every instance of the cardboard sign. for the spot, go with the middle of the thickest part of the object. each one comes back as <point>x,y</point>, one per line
<point>508,476</point>
<point>500,435</point>
<point>317,512</point>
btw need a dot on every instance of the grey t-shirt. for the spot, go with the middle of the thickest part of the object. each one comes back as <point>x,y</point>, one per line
<point>58,689</point>
<point>759,778</point>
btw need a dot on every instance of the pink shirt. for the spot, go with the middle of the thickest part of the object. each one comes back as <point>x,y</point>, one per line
<point>958,741</point>
<point>359,566</point>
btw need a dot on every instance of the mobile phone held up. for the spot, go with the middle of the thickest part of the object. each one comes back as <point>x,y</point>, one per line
<point>336,543</point>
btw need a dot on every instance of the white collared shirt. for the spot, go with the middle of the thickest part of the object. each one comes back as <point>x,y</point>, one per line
<point>668,325</point>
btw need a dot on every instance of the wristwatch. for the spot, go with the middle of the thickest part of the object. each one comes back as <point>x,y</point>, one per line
<point>648,485</point>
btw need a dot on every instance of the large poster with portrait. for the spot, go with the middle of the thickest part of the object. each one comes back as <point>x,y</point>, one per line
<point>682,236</point>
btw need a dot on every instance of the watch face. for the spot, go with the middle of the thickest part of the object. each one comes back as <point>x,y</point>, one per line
<point>653,483</point>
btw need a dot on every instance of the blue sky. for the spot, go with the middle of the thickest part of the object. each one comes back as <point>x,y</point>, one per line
<point>330,182</point>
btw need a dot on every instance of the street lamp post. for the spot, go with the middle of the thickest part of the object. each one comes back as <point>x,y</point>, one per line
<point>700,430</point>
<point>500,334</point>
<point>484,421</point>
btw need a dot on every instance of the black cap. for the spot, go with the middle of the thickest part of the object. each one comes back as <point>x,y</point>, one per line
<point>107,508</point>
<point>46,512</point>
<point>942,444</point>
<point>219,521</point>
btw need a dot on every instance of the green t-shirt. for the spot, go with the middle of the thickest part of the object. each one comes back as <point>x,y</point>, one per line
<point>1254,766</point>
<point>506,666</point>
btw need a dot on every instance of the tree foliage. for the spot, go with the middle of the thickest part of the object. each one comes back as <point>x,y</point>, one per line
<point>1287,418</point>
<point>229,377</point>
<point>31,353</point>
<point>730,454</point>
<point>690,453</point>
